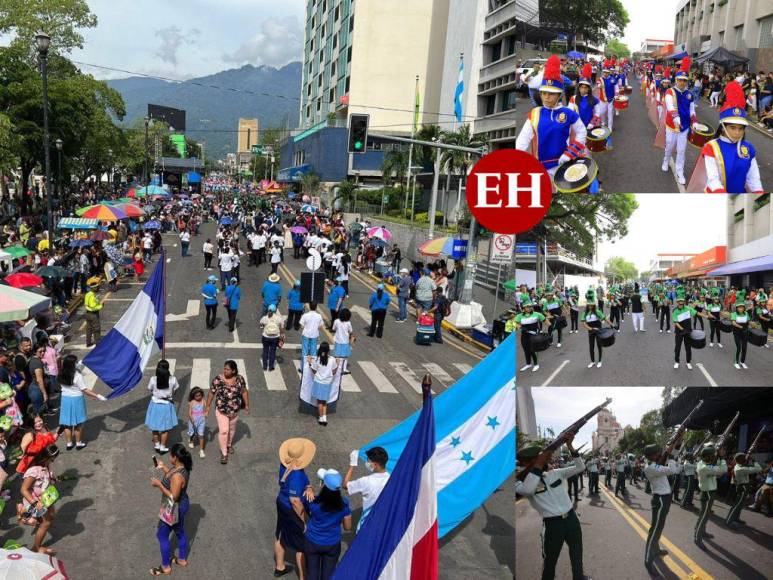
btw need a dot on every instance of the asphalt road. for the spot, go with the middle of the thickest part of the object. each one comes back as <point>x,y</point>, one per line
<point>633,165</point>
<point>646,359</point>
<point>615,530</point>
<point>108,513</point>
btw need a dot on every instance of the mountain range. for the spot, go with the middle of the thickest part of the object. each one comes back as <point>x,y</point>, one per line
<point>212,114</point>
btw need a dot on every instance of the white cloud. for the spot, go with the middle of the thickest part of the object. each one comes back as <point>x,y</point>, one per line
<point>172,38</point>
<point>279,41</point>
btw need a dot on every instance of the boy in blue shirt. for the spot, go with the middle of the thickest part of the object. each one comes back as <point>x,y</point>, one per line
<point>294,306</point>
<point>335,300</point>
<point>209,292</point>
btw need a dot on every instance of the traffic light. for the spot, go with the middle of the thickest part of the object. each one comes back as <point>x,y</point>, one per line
<point>358,133</point>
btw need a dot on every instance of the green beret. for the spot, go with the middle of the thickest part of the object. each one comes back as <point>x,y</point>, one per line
<point>708,451</point>
<point>528,452</point>
<point>651,449</point>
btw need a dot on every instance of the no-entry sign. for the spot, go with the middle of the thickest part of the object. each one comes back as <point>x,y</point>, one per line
<point>502,248</point>
<point>509,191</point>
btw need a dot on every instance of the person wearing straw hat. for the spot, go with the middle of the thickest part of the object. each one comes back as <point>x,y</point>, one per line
<point>271,292</point>
<point>548,130</point>
<point>295,454</point>
<point>728,163</point>
<point>680,116</point>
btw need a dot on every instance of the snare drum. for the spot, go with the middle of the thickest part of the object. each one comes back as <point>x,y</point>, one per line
<point>597,139</point>
<point>700,134</point>
<point>628,89</point>
<point>621,102</point>
<point>576,175</point>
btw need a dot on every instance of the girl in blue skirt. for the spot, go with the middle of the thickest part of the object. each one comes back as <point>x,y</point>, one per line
<point>72,412</point>
<point>344,338</point>
<point>162,415</point>
<point>324,368</point>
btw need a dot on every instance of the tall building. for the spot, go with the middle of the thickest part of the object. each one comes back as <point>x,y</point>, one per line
<point>649,45</point>
<point>741,26</point>
<point>749,241</point>
<point>248,135</point>
<point>662,263</point>
<point>608,432</point>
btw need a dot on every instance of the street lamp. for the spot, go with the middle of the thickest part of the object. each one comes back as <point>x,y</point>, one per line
<point>59,144</point>
<point>43,42</point>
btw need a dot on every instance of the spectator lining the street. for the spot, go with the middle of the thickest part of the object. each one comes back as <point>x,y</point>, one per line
<point>327,513</point>
<point>230,393</point>
<point>72,413</point>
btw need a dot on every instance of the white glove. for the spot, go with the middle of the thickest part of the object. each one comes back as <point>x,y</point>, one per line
<point>354,457</point>
<point>563,159</point>
<point>102,397</point>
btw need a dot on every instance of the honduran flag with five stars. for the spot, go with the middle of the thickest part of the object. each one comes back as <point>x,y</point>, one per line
<point>474,437</point>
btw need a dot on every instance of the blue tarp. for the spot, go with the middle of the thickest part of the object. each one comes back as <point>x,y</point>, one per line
<point>194,177</point>
<point>744,266</point>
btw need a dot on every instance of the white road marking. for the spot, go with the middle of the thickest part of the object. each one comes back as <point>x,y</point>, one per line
<point>375,375</point>
<point>706,374</point>
<point>463,367</point>
<point>172,365</point>
<point>207,345</point>
<point>200,373</point>
<point>408,375</point>
<point>274,379</point>
<point>349,385</point>
<point>236,336</point>
<point>363,313</point>
<point>191,311</point>
<point>553,375</point>
<point>242,370</point>
<point>437,371</point>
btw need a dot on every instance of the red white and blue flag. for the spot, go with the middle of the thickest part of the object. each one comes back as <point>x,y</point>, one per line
<point>399,539</point>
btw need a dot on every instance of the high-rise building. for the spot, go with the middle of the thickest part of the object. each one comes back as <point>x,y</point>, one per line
<point>248,135</point>
<point>608,432</point>
<point>741,26</point>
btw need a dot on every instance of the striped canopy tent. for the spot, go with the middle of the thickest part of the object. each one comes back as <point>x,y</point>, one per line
<point>79,223</point>
<point>150,190</point>
<point>16,304</point>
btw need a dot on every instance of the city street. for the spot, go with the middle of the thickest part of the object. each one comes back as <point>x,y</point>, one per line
<point>107,517</point>
<point>633,164</point>
<point>614,531</point>
<point>646,359</point>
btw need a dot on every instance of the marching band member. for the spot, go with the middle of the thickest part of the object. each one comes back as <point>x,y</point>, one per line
<point>728,163</point>
<point>608,89</point>
<point>528,321</point>
<point>680,115</point>
<point>740,321</point>
<point>548,128</point>
<point>583,101</point>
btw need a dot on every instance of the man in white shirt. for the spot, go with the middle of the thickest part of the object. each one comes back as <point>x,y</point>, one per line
<point>688,470</point>
<point>147,247</point>
<point>252,241</point>
<point>185,242</point>
<point>658,476</point>
<point>620,463</point>
<point>371,485</point>
<point>260,244</point>
<point>225,259</point>
<point>276,256</point>
<point>311,322</point>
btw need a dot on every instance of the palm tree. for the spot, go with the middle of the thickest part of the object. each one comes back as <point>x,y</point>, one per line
<point>426,155</point>
<point>346,193</point>
<point>395,165</point>
<point>310,183</point>
<point>458,161</point>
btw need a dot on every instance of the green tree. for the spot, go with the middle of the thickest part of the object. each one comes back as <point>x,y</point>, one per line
<point>310,183</point>
<point>615,47</point>
<point>576,220</point>
<point>394,166</point>
<point>620,269</point>
<point>596,20</point>
<point>424,155</point>
<point>345,191</point>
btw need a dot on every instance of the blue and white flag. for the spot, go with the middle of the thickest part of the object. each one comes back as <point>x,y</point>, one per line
<point>121,356</point>
<point>459,92</point>
<point>474,435</point>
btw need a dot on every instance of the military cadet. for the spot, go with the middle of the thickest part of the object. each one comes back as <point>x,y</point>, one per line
<point>675,481</point>
<point>658,476</point>
<point>688,471</point>
<point>741,471</point>
<point>546,493</point>
<point>620,464</point>
<point>528,321</point>
<point>93,305</point>
<point>609,467</point>
<point>593,475</point>
<point>707,471</point>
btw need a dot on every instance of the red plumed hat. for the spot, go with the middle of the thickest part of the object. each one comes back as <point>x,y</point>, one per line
<point>667,73</point>
<point>684,68</point>
<point>659,69</point>
<point>551,78</point>
<point>587,74</point>
<point>734,109</point>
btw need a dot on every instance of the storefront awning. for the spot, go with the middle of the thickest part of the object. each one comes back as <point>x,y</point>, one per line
<point>293,173</point>
<point>744,266</point>
<point>75,223</point>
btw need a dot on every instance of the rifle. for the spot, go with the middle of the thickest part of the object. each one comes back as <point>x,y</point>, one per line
<point>677,436</point>
<point>756,440</point>
<point>562,437</point>
<point>720,443</point>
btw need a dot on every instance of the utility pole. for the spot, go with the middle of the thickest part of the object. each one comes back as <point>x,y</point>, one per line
<point>410,155</point>
<point>44,41</point>
<point>433,199</point>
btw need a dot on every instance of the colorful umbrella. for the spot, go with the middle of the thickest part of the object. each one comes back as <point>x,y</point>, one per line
<point>299,230</point>
<point>226,221</point>
<point>16,252</point>
<point>380,232</point>
<point>100,235</point>
<point>152,225</point>
<point>131,193</point>
<point>81,243</point>
<point>437,246</point>
<point>23,280</point>
<point>130,209</point>
<point>105,212</point>
<point>24,564</point>
<point>308,208</point>
<point>151,190</point>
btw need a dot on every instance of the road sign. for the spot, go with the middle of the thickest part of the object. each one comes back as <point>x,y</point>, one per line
<point>257,149</point>
<point>502,246</point>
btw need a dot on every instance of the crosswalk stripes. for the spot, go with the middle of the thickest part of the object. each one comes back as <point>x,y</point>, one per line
<point>172,365</point>
<point>463,367</point>
<point>200,373</point>
<point>407,374</point>
<point>349,385</point>
<point>437,371</point>
<point>89,378</point>
<point>375,375</point>
<point>274,380</point>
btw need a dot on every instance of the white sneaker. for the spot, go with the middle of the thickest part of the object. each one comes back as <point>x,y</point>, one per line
<point>711,345</point>
<point>767,345</point>
<point>736,365</point>
<point>558,345</point>
<point>190,444</point>
<point>535,369</point>
<point>676,365</point>
<point>664,167</point>
<point>644,330</point>
<point>590,364</point>
<point>680,179</point>
<point>689,366</point>
<point>525,368</point>
<point>668,331</point>
<point>156,446</point>
<point>661,331</point>
<point>162,449</point>
<point>720,345</point>
<point>202,454</point>
<point>743,365</point>
<point>598,365</point>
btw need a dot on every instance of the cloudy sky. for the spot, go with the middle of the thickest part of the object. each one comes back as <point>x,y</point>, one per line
<point>650,19</point>
<point>559,407</point>
<point>652,227</point>
<point>192,38</point>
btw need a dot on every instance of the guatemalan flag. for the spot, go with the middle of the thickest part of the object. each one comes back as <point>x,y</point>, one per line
<point>474,437</point>
<point>399,540</point>
<point>121,356</point>
<point>459,91</point>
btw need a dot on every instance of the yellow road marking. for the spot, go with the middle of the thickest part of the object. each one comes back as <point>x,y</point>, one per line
<point>698,572</point>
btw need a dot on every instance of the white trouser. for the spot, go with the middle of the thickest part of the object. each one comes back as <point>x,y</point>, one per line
<point>610,115</point>
<point>678,140</point>
<point>638,320</point>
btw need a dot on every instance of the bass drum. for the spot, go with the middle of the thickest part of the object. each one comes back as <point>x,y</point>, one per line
<point>725,325</point>
<point>597,139</point>
<point>696,339</point>
<point>560,322</point>
<point>758,337</point>
<point>700,134</point>
<point>540,341</point>
<point>606,337</point>
<point>576,175</point>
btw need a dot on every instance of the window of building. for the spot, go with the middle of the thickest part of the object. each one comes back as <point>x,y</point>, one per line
<point>337,13</point>
<point>738,216</point>
<point>308,111</point>
<point>319,80</point>
<point>739,37</point>
<point>491,102</point>
<point>319,105</point>
<point>346,89</point>
<point>349,55</point>
<point>761,201</point>
<point>351,23</point>
<point>333,70</point>
<point>335,40</point>
<point>766,32</point>
<point>496,52</point>
<point>508,100</point>
<point>510,46</point>
<point>331,96</point>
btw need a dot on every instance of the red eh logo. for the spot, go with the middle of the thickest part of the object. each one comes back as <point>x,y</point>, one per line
<point>509,191</point>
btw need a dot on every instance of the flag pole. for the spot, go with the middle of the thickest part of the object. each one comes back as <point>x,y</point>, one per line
<point>410,148</point>
<point>163,319</point>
